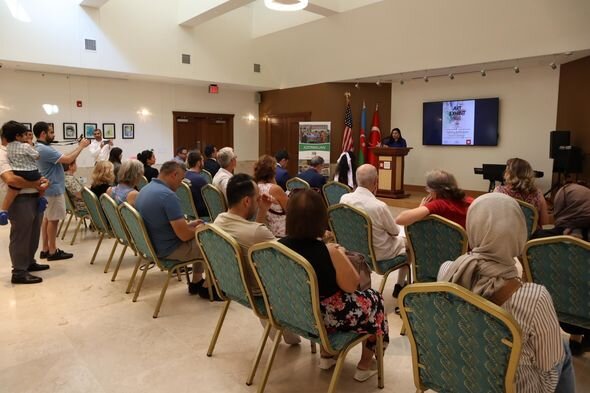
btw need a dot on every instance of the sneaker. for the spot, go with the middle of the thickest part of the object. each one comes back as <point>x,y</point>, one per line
<point>35,267</point>
<point>58,255</point>
<point>195,287</point>
<point>25,278</point>
<point>363,375</point>
<point>41,205</point>
<point>3,218</point>
<point>43,254</point>
<point>326,363</point>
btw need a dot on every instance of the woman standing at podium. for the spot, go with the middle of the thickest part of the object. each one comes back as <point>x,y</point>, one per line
<point>395,139</point>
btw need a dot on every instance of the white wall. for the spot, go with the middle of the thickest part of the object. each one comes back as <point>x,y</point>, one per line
<point>117,101</point>
<point>528,111</point>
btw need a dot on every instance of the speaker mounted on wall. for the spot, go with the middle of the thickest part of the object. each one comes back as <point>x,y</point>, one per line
<point>556,140</point>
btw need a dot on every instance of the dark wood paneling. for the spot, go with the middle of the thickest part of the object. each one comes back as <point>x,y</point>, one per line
<point>196,130</point>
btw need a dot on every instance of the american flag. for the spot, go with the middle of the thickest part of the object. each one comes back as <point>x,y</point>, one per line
<point>347,143</point>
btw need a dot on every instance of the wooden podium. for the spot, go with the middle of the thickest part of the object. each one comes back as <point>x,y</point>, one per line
<point>391,171</point>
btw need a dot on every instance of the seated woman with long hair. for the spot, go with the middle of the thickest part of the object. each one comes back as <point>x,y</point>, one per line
<point>265,170</point>
<point>346,169</point>
<point>444,198</point>
<point>130,174</point>
<point>519,183</point>
<point>497,234</point>
<point>103,177</point>
<point>148,158</point>
<point>343,307</point>
<point>115,157</point>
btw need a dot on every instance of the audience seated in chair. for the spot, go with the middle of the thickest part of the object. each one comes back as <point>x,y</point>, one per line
<point>73,185</point>
<point>519,183</point>
<point>211,165</point>
<point>115,157</point>
<point>343,306</point>
<point>313,174</point>
<point>245,204</point>
<point>172,237</point>
<point>193,174</point>
<point>227,160</point>
<point>497,233</point>
<point>264,176</point>
<point>103,177</point>
<point>148,158</point>
<point>130,173</point>
<point>282,157</point>
<point>444,198</point>
<point>386,240</point>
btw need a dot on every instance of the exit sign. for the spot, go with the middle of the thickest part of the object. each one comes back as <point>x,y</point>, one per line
<point>213,89</point>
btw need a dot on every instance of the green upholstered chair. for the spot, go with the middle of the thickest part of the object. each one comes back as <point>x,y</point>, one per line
<point>109,207</point>
<point>227,272</point>
<point>460,342</point>
<point>333,191</point>
<point>80,214</point>
<point>142,182</point>
<point>207,175</point>
<point>352,229</point>
<point>143,245</point>
<point>101,225</point>
<point>531,216</point>
<point>295,182</point>
<point>294,304</point>
<point>562,265</point>
<point>214,200</point>
<point>432,241</point>
<point>186,201</point>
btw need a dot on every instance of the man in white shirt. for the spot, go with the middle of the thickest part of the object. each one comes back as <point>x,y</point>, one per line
<point>100,148</point>
<point>386,242</point>
<point>227,159</point>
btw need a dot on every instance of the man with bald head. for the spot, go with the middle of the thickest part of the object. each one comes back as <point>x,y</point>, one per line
<point>386,242</point>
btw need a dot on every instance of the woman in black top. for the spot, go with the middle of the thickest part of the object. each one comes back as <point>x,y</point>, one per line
<point>115,157</point>
<point>148,158</point>
<point>395,139</point>
<point>102,177</point>
<point>344,307</point>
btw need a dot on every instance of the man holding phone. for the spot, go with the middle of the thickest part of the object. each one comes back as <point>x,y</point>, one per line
<point>100,148</point>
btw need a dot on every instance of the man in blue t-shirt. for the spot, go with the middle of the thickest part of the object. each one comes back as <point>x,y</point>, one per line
<point>172,237</point>
<point>49,164</point>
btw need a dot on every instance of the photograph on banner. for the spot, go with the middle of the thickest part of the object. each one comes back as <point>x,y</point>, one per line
<point>314,140</point>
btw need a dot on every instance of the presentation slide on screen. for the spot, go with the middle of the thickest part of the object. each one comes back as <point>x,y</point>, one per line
<point>458,122</point>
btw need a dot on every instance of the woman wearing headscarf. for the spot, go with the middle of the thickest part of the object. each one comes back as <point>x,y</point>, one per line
<point>497,233</point>
<point>345,171</point>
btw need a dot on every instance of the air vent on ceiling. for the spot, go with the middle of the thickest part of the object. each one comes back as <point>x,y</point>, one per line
<point>256,67</point>
<point>186,59</point>
<point>89,44</point>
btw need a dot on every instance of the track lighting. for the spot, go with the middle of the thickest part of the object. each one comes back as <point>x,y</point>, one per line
<point>516,69</point>
<point>553,65</point>
<point>451,76</point>
<point>483,73</point>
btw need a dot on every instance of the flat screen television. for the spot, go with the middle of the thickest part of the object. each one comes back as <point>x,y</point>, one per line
<point>471,122</point>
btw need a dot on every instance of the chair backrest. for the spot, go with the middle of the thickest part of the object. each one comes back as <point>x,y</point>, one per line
<point>352,229</point>
<point>531,216</point>
<point>460,342</point>
<point>96,214</point>
<point>295,182</point>
<point>207,176</point>
<point>432,241</point>
<point>71,206</point>
<point>222,254</point>
<point>186,201</point>
<point>333,191</point>
<point>214,200</point>
<point>142,182</point>
<point>290,290</point>
<point>562,265</point>
<point>109,207</point>
<point>139,235</point>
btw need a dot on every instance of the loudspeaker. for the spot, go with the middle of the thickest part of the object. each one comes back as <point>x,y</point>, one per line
<point>569,160</point>
<point>556,139</point>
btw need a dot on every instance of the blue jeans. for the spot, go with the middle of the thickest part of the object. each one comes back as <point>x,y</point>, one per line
<point>567,382</point>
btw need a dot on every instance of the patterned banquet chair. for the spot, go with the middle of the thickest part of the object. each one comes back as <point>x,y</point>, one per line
<point>294,304</point>
<point>562,265</point>
<point>143,245</point>
<point>101,225</point>
<point>80,214</point>
<point>142,183</point>
<point>186,201</point>
<point>207,175</point>
<point>333,191</point>
<point>214,200</point>
<point>226,269</point>
<point>460,342</point>
<point>432,241</point>
<point>531,216</point>
<point>295,183</point>
<point>352,229</point>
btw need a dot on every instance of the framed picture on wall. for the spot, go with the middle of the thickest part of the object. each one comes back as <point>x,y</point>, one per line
<point>108,130</point>
<point>128,131</point>
<point>28,126</point>
<point>89,130</point>
<point>70,131</point>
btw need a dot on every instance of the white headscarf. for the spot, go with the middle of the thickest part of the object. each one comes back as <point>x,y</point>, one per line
<point>350,180</point>
<point>497,233</point>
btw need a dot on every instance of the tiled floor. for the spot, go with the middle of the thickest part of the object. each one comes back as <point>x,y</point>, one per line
<point>80,332</point>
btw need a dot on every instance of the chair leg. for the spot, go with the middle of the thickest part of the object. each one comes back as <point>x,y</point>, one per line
<point>132,279</point>
<point>101,236</point>
<point>383,281</point>
<point>259,352</point>
<point>178,274</point>
<point>271,359</point>
<point>63,235</point>
<point>106,267</point>
<point>218,328</point>
<point>76,232</point>
<point>380,373</point>
<point>402,331</point>
<point>338,369</point>
<point>188,278</point>
<point>161,299</point>
<point>61,224</point>
<point>118,264</point>
<point>313,347</point>
<point>140,283</point>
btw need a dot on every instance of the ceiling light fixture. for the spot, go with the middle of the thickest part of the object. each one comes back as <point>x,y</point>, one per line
<point>516,69</point>
<point>378,83</point>
<point>357,85</point>
<point>451,76</point>
<point>276,5</point>
<point>401,82</point>
<point>426,79</point>
<point>553,65</point>
<point>483,73</point>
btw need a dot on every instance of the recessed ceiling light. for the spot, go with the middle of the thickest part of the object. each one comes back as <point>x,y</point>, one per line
<point>279,6</point>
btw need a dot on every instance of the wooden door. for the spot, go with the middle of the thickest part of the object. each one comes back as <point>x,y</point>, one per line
<point>282,133</point>
<point>196,130</point>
